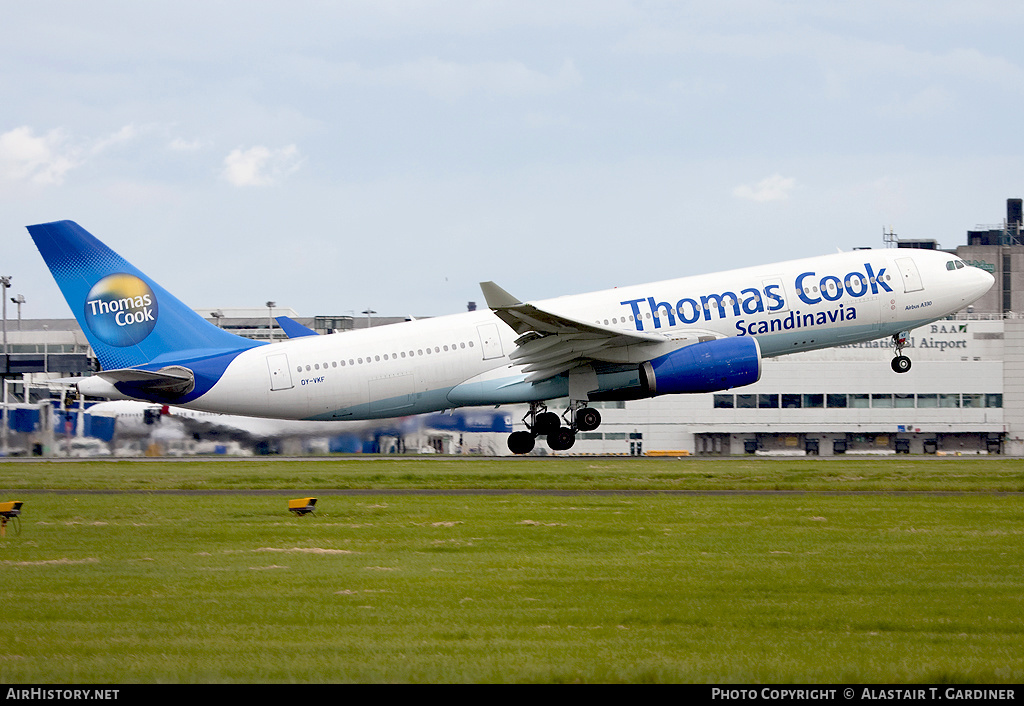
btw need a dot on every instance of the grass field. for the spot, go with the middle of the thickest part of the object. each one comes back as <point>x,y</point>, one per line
<point>579,473</point>
<point>815,587</point>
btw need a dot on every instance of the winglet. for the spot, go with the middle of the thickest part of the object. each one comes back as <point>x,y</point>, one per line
<point>529,317</point>
<point>496,297</point>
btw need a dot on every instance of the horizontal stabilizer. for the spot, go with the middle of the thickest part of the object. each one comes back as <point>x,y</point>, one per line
<point>173,380</point>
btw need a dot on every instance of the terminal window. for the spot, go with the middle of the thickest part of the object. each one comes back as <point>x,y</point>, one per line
<point>903,401</point>
<point>746,401</point>
<point>814,401</point>
<point>881,400</point>
<point>791,401</point>
<point>972,401</point>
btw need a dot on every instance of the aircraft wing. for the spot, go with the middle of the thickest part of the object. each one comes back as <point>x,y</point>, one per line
<point>552,343</point>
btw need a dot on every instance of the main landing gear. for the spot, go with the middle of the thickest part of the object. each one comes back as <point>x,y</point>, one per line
<point>541,422</point>
<point>901,363</point>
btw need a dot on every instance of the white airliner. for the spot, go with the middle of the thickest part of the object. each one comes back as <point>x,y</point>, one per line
<point>140,419</point>
<point>136,419</point>
<point>689,335</point>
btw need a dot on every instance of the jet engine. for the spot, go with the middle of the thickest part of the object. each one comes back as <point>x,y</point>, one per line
<point>703,367</point>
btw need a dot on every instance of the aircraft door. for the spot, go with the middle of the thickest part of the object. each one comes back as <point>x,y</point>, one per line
<point>911,277</point>
<point>280,372</point>
<point>490,341</point>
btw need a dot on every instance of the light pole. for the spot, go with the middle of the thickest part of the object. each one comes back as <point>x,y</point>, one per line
<point>19,300</point>
<point>5,282</point>
<point>369,312</point>
<point>270,314</point>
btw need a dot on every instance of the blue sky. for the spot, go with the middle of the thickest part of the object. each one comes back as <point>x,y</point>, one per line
<point>334,156</point>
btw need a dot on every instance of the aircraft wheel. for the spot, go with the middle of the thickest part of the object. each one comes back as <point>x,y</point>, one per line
<point>588,419</point>
<point>900,364</point>
<point>562,439</point>
<point>520,442</point>
<point>546,423</point>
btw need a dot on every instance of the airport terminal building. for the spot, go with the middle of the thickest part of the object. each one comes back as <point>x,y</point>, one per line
<point>964,393</point>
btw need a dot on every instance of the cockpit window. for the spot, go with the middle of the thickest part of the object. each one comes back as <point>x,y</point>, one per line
<point>960,265</point>
<point>950,265</point>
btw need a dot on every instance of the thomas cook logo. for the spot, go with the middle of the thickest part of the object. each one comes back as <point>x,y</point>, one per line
<point>121,310</point>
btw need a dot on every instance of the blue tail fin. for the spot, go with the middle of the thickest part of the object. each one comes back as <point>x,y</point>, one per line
<point>129,319</point>
<point>292,328</point>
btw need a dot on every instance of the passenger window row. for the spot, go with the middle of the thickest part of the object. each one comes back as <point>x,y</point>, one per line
<point>377,358</point>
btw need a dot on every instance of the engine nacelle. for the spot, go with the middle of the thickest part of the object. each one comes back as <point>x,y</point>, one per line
<point>703,367</point>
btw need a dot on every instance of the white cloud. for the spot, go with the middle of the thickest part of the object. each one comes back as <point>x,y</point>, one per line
<point>260,166</point>
<point>46,159</point>
<point>179,144</point>
<point>449,79</point>
<point>125,134</point>
<point>43,159</point>
<point>774,188</point>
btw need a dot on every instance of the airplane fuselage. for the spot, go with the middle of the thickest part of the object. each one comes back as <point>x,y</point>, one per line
<point>450,361</point>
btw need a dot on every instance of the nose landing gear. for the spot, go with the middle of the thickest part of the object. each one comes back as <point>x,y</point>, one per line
<point>901,363</point>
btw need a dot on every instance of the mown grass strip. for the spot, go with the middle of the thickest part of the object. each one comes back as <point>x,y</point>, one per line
<point>737,589</point>
<point>938,474</point>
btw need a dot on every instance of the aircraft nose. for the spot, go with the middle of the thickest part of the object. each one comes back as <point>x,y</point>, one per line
<point>980,282</point>
<point>987,280</point>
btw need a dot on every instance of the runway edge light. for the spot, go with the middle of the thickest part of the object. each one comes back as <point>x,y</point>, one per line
<point>302,506</point>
